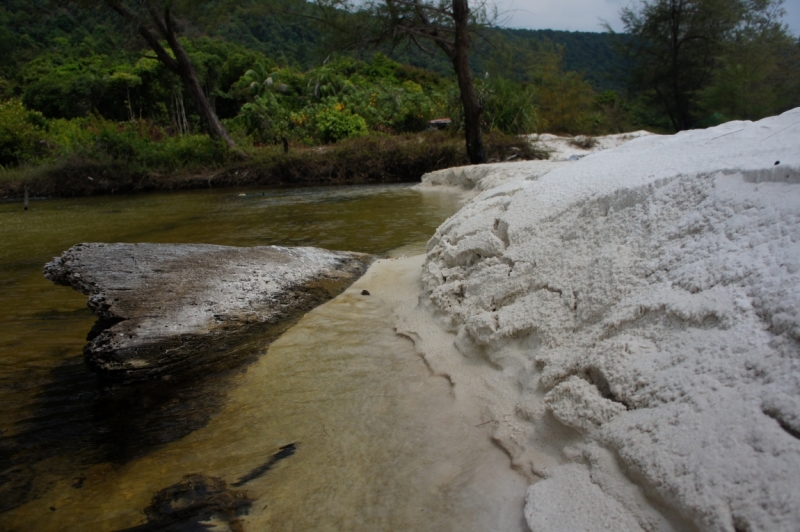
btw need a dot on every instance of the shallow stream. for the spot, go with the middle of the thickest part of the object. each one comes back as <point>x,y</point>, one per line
<point>337,425</point>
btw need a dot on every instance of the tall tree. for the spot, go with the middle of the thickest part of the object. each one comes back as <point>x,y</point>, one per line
<point>447,24</point>
<point>678,46</point>
<point>759,72</point>
<point>155,22</point>
<point>565,100</point>
<point>674,45</point>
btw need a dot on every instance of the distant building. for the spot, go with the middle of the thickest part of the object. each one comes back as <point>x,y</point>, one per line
<point>439,123</point>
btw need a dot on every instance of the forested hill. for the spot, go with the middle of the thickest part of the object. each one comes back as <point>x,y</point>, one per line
<point>29,28</point>
<point>592,54</point>
<point>78,84</point>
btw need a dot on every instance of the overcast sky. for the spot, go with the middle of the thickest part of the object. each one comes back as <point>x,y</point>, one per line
<point>585,15</point>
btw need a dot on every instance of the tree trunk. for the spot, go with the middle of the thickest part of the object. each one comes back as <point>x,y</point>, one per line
<point>466,86</point>
<point>676,10</point>
<point>180,64</point>
<point>192,83</point>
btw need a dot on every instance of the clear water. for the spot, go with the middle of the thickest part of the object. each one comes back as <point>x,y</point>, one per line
<point>379,445</point>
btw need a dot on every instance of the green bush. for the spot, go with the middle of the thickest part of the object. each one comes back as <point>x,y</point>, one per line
<point>188,151</point>
<point>402,108</point>
<point>118,144</point>
<point>339,123</point>
<point>509,107</point>
<point>22,134</point>
<point>140,145</point>
<point>71,136</point>
<point>265,119</point>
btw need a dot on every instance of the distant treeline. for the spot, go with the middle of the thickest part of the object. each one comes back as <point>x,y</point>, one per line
<point>29,28</point>
<point>77,82</point>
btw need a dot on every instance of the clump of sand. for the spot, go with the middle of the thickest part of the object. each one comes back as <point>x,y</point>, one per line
<point>631,323</point>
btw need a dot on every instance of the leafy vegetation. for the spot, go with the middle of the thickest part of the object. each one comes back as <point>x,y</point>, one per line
<point>79,91</point>
<point>702,62</point>
<point>446,26</point>
<point>197,162</point>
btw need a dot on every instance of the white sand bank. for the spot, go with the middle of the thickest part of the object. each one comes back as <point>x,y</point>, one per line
<point>570,148</point>
<point>631,324</point>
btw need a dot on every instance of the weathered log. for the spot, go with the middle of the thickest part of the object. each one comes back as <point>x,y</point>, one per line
<point>166,308</point>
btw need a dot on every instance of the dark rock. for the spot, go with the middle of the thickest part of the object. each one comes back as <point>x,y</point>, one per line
<point>198,502</point>
<point>164,308</point>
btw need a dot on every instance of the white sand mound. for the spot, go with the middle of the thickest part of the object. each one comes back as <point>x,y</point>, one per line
<point>632,322</point>
<point>574,148</point>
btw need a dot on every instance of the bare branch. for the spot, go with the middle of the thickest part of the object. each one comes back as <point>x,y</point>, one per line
<point>418,45</point>
<point>432,35</point>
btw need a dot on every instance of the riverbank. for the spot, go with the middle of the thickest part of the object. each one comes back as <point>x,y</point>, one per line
<point>365,160</point>
<point>381,443</point>
<point>629,323</point>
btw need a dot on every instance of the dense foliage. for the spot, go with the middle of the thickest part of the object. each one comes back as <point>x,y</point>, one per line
<point>76,83</point>
<point>701,62</point>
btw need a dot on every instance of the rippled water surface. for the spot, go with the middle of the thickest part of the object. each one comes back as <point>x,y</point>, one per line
<point>372,444</point>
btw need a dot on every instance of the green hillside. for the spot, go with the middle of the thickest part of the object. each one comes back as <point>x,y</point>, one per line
<point>29,28</point>
<point>592,54</point>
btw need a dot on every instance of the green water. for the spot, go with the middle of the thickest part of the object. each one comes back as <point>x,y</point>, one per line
<point>373,426</point>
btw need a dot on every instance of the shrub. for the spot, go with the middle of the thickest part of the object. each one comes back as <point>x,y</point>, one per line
<point>70,136</point>
<point>265,119</point>
<point>22,133</point>
<point>188,151</point>
<point>508,107</point>
<point>139,145</point>
<point>118,143</point>
<point>339,123</point>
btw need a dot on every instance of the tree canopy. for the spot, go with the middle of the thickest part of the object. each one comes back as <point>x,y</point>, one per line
<point>157,23</point>
<point>695,57</point>
<point>425,25</point>
<point>80,79</point>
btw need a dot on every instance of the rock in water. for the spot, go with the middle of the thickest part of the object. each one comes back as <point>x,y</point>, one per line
<point>198,502</point>
<point>164,308</point>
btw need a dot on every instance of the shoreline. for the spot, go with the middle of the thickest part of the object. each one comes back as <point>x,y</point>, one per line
<point>392,280</point>
<point>366,160</point>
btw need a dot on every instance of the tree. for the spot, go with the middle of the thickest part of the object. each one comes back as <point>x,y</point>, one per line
<point>759,69</point>
<point>677,47</point>
<point>448,24</point>
<point>154,21</point>
<point>565,99</point>
<point>674,45</point>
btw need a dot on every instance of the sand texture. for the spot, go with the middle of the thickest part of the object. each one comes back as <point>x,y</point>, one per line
<point>631,323</point>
